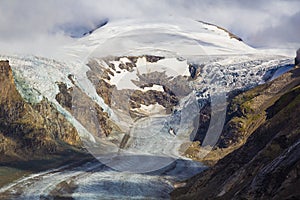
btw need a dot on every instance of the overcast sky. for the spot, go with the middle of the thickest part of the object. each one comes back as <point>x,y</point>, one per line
<point>35,26</point>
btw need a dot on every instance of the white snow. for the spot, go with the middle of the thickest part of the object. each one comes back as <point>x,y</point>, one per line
<point>155,87</point>
<point>141,61</point>
<point>125,60</point>
<point>172,66</point>
<point>124,80</point>
<point>178,36</point>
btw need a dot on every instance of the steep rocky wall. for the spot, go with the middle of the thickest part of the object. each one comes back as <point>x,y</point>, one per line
<point>85,110</point>
<point>28,130</point>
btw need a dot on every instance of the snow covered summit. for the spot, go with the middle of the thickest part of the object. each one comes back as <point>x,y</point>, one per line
<point>179,36</point>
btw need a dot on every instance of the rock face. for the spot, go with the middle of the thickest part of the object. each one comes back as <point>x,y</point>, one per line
<point>130,100</point>
<point>297,59</point>
<point>86,111</point>
<point>29,130</point>
<point>263,126</point>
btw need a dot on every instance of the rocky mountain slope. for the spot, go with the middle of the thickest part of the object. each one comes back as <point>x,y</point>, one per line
<point>30,131</point>
<point>263,133</point>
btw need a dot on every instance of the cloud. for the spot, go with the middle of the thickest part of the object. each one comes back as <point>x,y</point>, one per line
<point>36,27</point>
<point>288,31</point>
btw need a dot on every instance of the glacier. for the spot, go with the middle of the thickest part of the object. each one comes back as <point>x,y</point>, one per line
<point>152,161</point>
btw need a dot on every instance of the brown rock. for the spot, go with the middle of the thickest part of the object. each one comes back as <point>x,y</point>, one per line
<point>28,130</point>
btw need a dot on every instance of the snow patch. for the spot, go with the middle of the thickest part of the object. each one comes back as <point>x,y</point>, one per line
<point>124,80</point>
<point>155,87</point>
<point>125,60</point>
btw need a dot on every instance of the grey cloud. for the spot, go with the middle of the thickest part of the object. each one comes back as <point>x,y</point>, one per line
<point>287,31</point>
<point>28,26</point>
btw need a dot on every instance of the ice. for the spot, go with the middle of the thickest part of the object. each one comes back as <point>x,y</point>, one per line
<point>94,180</point>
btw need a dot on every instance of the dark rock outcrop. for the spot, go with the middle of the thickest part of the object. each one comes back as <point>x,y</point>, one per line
<point>153,59</point>
<point>297,59</point>
<point>64,97</point>
<point>192,70</point>
<point>263,126</point>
